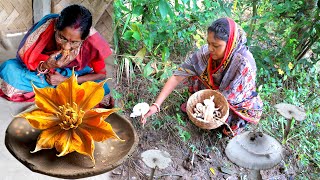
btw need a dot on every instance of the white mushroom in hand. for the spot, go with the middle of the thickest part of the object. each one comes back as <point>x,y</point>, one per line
<point>140,109</point>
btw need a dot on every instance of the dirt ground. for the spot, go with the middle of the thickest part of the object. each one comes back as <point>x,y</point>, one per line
<point>201,157</point>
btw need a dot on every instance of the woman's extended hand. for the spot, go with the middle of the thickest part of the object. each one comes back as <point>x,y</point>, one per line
<point>153,109</point>
<point>55,78</point>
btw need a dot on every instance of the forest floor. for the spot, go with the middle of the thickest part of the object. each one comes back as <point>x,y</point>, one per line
<point>202,156</point>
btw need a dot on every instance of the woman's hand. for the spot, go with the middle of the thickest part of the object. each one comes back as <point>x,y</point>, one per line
<point>172,82</point>
<point>152,110</point>
<point>55,78</point>
<point>51,62</point>
<point>64,60</point>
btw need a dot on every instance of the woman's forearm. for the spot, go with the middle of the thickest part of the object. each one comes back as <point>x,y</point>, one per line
<point>91,77</point>
<point>170,85</point>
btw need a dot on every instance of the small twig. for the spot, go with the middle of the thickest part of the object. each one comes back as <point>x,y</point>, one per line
<point>168,175</point>
<point>192,159</point>
<point>201,156</point>
<point>313,160</point>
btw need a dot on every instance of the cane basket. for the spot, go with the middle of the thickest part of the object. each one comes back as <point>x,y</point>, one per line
<point>220,102</point>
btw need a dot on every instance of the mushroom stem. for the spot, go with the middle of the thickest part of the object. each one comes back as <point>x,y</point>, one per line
<point>255,175</point>
<point>287,130</point>
<point>192,159</point>
<point>152,172</point>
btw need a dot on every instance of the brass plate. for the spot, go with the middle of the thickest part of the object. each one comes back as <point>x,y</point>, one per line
<point>21,138</point>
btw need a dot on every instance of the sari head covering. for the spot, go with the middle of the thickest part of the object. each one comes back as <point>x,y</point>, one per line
<point>234,77</point>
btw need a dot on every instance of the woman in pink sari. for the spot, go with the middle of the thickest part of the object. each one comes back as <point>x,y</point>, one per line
<point>224,64</point>
<point>50,50</point>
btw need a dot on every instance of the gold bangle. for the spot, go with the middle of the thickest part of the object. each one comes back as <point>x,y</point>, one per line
<point>39,68</point>
<point>157,106</point>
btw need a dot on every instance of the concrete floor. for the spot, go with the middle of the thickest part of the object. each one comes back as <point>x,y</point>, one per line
<point>10,167</point>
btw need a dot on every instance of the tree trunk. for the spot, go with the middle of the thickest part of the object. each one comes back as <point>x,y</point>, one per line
<point>303,33</point>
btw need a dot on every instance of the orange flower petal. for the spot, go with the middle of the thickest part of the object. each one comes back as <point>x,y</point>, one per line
<point>41,120</point>
<point>100,132</point>
<point>64,143</point>
<point>93,117</point>
<point>46,99</point>
<point>86,145</point>
<point>78,140</point>
<point>47,138</point>
<point>69,91</point>
<point>94,93</point>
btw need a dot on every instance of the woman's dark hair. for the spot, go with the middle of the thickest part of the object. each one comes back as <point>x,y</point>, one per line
<point>75,16</point>
<point>221,29</point>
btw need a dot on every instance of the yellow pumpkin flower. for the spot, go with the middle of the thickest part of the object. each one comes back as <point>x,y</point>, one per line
<point>280,71</point>
<point>290,65</point>
<point>66,117</point>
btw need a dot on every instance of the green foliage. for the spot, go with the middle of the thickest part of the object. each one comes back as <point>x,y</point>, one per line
<point>183,134</point>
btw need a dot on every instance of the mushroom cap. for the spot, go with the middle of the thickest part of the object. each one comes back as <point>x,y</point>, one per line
<point>156,158</point>
<point>140,109</point>
<point>254,150</point>
<point>290,111</point>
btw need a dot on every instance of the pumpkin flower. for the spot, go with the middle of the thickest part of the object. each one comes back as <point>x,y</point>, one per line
<point>290,65</point>
<point>280,71</point>
<point>67,119</point>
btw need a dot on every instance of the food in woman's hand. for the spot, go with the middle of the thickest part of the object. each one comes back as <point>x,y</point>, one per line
<point>65,52</point>
<point>207,111</point>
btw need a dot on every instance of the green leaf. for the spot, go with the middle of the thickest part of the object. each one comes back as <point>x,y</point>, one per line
<point>116,94</point>
<point>165,53</point>
<point>137,11</point>
<point>141,53</point>
<point>127,35</point>
<point>148,70</point>
<point>180,120</point>
<point>153,89</point>
<point>135,27</point>
<point>139,57</point>
<point>186,2</point>
<point>126,23</point>
<point>166,74</point>
<point>164,8</point>
<point>185,135</point>
<point>176,4</point>
<point>195,6</point>
<point>136,35</point>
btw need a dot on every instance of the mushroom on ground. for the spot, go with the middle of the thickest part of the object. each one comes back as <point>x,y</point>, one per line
<point>156,159</point>
<point>140,109</point>
<point>255,151</point>
<point>290,112</point>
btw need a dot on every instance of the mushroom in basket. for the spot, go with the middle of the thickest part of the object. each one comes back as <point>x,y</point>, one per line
<point>207,111</point>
